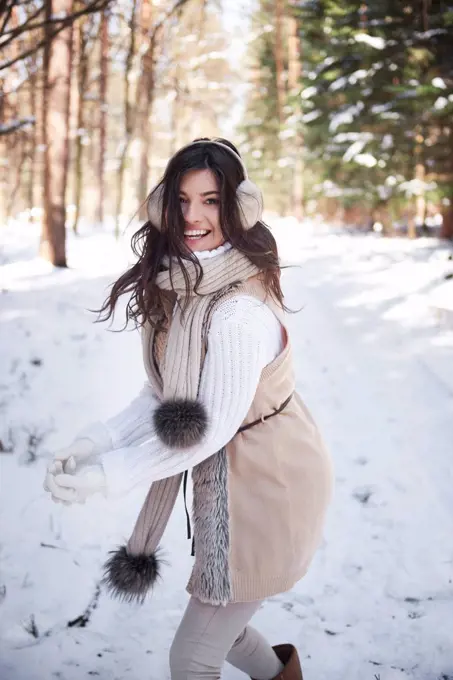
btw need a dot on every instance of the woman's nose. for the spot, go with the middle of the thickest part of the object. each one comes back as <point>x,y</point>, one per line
<point>192,213</point>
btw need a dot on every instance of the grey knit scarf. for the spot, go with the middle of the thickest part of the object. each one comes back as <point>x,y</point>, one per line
<point>180,420</point>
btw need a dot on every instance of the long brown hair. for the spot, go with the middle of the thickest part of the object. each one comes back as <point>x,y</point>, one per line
<point>150,245</point>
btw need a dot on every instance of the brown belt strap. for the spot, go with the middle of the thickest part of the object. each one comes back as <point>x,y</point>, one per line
<point>264,418</point>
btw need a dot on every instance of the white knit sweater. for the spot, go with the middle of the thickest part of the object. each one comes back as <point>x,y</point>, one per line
<point>244,337</point>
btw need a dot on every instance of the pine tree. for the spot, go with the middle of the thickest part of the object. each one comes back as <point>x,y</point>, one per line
<point>378,97</point>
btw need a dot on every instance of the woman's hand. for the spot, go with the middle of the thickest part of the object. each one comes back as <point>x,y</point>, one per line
<point>69,485</point>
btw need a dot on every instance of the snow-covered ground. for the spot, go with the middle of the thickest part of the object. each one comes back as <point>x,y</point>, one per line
<point>375,365</point>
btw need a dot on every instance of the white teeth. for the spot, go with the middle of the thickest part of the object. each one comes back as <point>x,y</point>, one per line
<point>194,232</point>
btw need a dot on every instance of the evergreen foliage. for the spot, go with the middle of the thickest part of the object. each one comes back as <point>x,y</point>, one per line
<point>376,101</point>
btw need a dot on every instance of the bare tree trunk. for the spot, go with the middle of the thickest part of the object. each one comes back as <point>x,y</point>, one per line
<point>82,79</point>
<point>104,33</point>
<point>151,32</point>
<point>177,104</point>
<point>145,127</point>
<point>20,149</point>
<point>128,117</point>
<point>294,75</point>
<point>144,101</point>
<point>13,145</point>
<point>143,180</point>
<point>364,16</point>
<point>3,155</point>
<point>417,211</point>
<point>8,114</point>
<point>426,4</point>
<point>56,102</point>
<point>447,224</point>
<point>12,153</point>
<point>279,61</point>
<point>32,140</point>
<point>446,230</point>
<point>420,201</point>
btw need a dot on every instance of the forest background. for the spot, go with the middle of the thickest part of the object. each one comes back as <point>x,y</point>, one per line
<point>342,110</point>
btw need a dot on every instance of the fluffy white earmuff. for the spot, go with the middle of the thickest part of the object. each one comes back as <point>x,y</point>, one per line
<point>250,198</point>
<point>154,206</point>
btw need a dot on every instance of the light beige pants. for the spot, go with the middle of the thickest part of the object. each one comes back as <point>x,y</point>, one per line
<point>208,635</point>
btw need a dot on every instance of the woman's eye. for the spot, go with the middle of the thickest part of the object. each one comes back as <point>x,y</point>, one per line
<point>212,201</point>
<point>182,199</point>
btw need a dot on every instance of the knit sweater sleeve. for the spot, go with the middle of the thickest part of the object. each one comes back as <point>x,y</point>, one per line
<point>130,426</point>
<point>244,337</point>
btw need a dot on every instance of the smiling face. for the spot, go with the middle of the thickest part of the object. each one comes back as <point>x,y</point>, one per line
<point>200,203</point>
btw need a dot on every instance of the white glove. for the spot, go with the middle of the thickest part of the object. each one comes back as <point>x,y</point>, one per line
<point>77,453</point>
<point>68,459</point>
<point>56,468</point>
<point>91,441</point>
<point>80,449</point>
<point>75,486</point>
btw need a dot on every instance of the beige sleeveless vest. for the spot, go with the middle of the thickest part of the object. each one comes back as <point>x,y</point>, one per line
<point>259,504</point>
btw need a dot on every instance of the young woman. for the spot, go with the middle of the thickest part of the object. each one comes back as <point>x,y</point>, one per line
<point>220,401</point>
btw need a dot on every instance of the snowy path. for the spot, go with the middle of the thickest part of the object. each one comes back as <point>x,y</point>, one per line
<point>376,373</point>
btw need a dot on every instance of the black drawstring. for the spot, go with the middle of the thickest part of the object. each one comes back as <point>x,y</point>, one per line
<point>184,487</point>
<point>189,528</point>
<point>241,429</point>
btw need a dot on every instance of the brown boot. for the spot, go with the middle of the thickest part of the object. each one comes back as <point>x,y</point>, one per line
<point>290,659</point>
